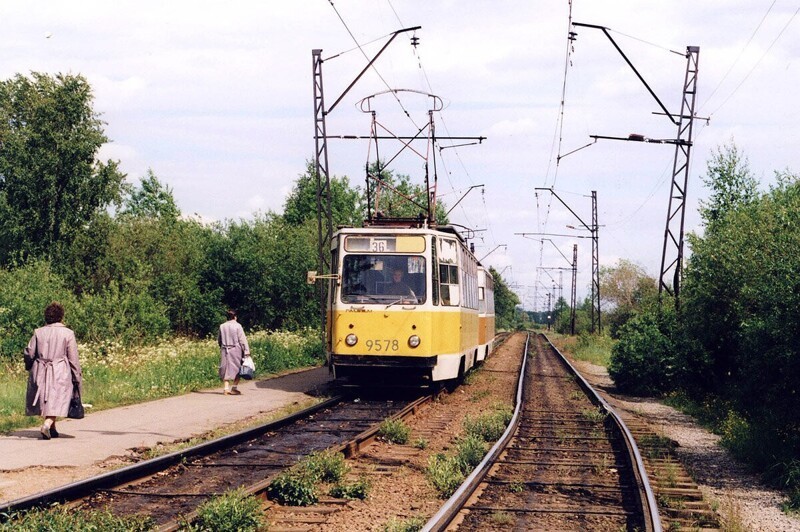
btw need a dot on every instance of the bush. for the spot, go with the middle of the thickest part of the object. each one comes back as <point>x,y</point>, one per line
<point>469,452</point>
<point>394,431</point>
<point>233,511</point>
<point>130,317</point>
<point>26,292</point>
<point>790,475</point>
<point>445,473</point>
<point>295,487</point>
<point>352,490</point>
<point>325,466</point>
<point>642,361</point>
<point>275,351</point>
<point>412,524</point>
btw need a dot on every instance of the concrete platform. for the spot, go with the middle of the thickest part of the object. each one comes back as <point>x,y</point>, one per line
<point>112,433</point>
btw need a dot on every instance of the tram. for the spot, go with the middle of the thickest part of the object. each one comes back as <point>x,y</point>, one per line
<point>409,306</point>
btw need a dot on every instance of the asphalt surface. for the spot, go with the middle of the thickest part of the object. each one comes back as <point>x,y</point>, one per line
<point>115,432</point>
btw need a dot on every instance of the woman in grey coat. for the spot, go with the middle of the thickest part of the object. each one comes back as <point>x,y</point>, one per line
<point>233,348</point>
<point>52,356</point>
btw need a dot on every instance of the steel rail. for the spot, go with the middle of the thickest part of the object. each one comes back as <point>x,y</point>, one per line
<point>81,488</point>
<point>648,503</point>
<point>454,504</point>
<point>348,448</point>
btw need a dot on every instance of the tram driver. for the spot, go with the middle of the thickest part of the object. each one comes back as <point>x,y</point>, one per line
<point>398,286</point>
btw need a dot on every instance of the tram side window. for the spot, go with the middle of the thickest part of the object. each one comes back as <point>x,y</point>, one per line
<point>449,289</point>
<point>434,272</point>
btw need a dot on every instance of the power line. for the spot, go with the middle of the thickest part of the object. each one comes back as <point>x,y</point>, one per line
<point>649,43</point>
<point>448,173</point>
<point>757,62</point>
<point>352,36</point>
<point>740,55</point>
<point>560,122</point>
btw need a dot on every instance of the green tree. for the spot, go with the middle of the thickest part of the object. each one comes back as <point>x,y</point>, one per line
<point>395,196</point>
<point>152,199</point>
<point>51,185</point>
<point>730,181</point>
<point>261,267</point>
<point>740,313</point>
<point>346,202</point>
<point>625,290</point>
<point>505,302</point>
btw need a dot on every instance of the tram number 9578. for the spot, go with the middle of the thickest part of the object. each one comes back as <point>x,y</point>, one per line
<point>382,345</point>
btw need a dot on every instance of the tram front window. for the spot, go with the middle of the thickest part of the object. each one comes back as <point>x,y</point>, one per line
<point>384,279</point>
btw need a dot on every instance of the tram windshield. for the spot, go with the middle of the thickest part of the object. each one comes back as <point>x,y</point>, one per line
<point>384,279</point>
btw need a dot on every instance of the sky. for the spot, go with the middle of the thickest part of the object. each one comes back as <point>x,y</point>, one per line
<point>217,99</point>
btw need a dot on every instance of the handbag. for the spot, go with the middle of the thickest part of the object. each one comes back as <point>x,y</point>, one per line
<point>75,404</point>
<point>248,369</point>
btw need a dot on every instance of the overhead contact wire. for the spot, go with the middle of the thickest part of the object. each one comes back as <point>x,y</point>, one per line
<point>788,22</point>
<point>374,68</point>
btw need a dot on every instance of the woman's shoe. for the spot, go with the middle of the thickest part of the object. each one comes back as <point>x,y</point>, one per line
<point>45,430</point>
<point>233,391</point>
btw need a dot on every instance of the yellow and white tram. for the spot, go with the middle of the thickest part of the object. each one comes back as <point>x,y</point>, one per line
<point>410,306</point>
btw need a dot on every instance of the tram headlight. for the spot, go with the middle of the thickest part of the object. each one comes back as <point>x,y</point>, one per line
<point>351,340</point>
<point>413,340</point>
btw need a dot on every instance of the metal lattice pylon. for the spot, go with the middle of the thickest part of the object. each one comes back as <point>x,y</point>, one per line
<point>672,265</point>
<point>324,214</point>
<point>596,326</point>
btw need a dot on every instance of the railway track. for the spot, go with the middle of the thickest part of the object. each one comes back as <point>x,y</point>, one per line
<point>566,462</point>
<point>170,488</point>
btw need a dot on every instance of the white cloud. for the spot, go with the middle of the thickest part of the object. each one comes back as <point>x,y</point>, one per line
<point>216,98</point>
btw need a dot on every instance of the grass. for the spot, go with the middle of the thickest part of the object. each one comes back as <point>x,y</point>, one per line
<point>593,414</point>
<point>394,431</point>
<point>325,466</point>
<point>233,511</point>
<point>411,524</point>
<point>447,472</point>
<point>116,376</point>
<point>490,426</point>
<point>358,489</point>
<point>444,473</point>
<point>588,347</point>
<point>298,485</point>
<point>62,519</point>
<point>501,518</point>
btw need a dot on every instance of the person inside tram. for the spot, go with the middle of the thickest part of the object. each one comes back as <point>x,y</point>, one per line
<point>398,286</point>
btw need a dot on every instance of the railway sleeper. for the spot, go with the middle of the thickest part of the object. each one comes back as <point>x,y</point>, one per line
<point>682,494</point>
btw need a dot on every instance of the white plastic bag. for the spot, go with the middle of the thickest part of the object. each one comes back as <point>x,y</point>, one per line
<point>248,368</point>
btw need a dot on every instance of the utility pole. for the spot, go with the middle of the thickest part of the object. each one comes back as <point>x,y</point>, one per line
<point>323,196</point>
<point>574,283</point>
<point>594,231</point>
<point>596,325</point>
<point>322,173</point>
<point>574,268</point>
<point>672,252</point>
<point>676,210</point>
